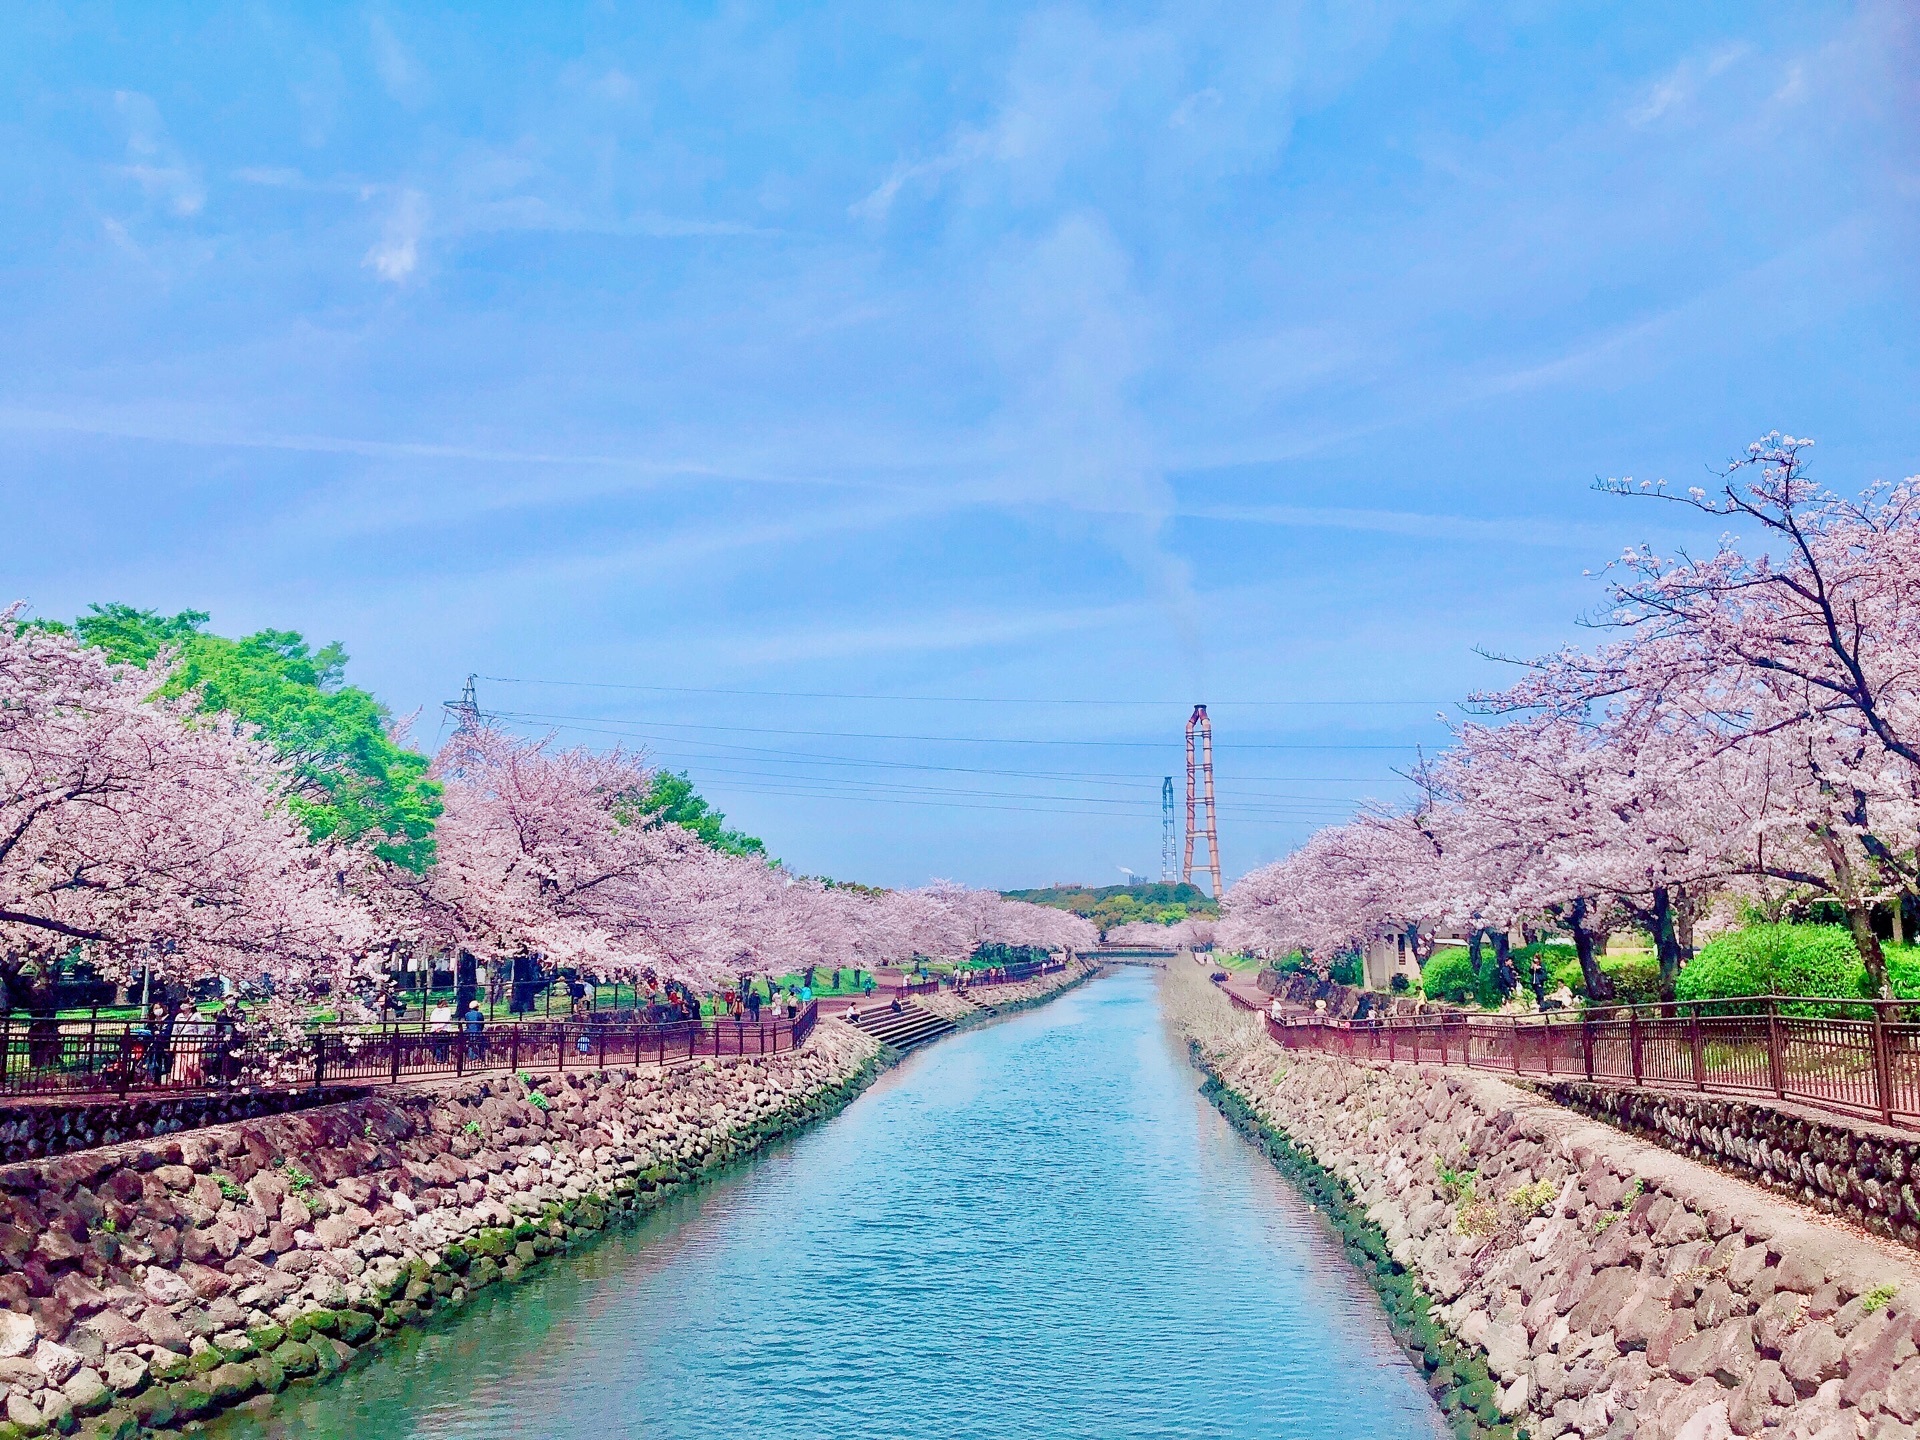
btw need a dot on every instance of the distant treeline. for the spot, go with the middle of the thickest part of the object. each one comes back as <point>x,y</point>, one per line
<point>1159,903</point>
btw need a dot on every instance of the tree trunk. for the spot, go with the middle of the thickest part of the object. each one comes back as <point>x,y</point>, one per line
<point>1847,890</point>
<point>1599,984</point>
<point>1860,920</point>
<point>1473,949</point>
<point>1421,945</point>
<point>1503,976</point>
<point>1666,941</point>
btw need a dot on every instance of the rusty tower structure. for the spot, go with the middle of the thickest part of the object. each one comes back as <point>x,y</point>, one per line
<point>1200,794</point>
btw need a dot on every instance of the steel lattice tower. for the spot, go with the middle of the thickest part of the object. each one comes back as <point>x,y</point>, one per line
<point>465,712</point>
<point>1168,858</point>
<point>1199,793</point>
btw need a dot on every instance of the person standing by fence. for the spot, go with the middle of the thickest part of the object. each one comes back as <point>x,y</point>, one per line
<point>476,1023</point>
<point>227,1039</point>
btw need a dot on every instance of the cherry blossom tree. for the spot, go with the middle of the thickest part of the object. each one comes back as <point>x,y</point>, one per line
<point>145,835</point>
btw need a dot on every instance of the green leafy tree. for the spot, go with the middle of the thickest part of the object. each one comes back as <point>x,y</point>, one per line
<point>1156,902</point>
<point>356,784</point>
<point>672,797</point>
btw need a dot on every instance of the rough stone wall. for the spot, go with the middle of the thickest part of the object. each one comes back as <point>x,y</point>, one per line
<point>1344,1002</point>
<point>150,1283</point>
<point>1862,1171</point>
<point>31,1129</point>
<point>1615,1289</point>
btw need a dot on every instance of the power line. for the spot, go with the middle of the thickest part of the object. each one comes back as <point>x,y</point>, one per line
<point>947,739</point>
<point>1276,805</point>
<point>922,699</point>
<point>958,805</point>
<point>696,747</point>
<point>635,730</point>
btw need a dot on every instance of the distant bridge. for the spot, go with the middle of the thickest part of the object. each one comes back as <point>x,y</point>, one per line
<point>1130,955</point>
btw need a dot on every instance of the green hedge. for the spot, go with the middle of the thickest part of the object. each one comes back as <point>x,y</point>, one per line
<point>1448,975</point>
<point>1636,978</point>
<point>1345,969</point>
<point>1792,960</point>
<point>1774,960</point>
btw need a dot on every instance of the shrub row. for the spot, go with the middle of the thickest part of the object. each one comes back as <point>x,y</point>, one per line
<point>1792,960</point>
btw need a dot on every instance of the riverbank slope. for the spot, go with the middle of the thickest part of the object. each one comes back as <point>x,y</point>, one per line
<point>1608,1287</point>
<point>149,1284</point>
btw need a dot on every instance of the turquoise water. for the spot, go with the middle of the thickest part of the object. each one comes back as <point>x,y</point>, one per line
<point>1037,1229</point>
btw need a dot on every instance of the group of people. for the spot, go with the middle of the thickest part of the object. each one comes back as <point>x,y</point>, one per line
<point>443,1025</point>
<point>745,1007</point>
<point>176,1044</point>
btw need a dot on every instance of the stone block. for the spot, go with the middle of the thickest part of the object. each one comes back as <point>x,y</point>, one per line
<point>86,1391</point>
<point>18,1333</point>
<point>1812,1356</point>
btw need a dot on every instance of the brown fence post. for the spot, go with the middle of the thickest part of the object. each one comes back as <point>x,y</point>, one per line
<point>393,1053</point>
<point>1513,1043</point>
<point>319,1059</point>
<point>1776,1061</point>
<point>1586,1043</point>
<point>1633,1041</point>
<point>1546,1037</point>
<point>1882,1065</point>
<point>513,1049</point>
<point>1699,1050</point>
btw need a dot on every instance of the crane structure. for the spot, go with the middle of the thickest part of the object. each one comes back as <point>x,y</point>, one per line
<point>1167,854</point>
<point>1199,795</point>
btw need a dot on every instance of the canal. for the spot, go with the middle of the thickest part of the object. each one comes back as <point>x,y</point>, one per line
<point>1036,1229</point>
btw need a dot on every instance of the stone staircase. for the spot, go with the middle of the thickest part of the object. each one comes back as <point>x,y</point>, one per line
<point>910,1027</point>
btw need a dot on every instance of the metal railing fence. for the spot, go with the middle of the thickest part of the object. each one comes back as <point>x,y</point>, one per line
<point>1851,1057</point>
<point>44,1057</point>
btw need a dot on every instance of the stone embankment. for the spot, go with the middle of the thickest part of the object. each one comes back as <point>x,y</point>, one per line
<point>33,1129</point>
<point>149,1284</point>
<point>985,1002</point>
<point>1865,1172</point>
<point>1560,1278</point>
<point>146,1285</point>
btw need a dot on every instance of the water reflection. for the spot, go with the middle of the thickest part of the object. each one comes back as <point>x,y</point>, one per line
<point>1035,1230</point>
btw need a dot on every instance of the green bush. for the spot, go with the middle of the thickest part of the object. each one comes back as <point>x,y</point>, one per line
<point>1636,978</point>
<point>1903,969</point>
<point>1449,976</point>
<point>1774,960</point>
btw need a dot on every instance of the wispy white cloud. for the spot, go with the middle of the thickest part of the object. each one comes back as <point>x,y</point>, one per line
<point>279,177</point>
<point>967,147</point>
<point>1419,526</point>
<point>922,634</point>
<point>396,254</point>
<point>394,63</point>
<point>1682,83</point>
<point>536,213</point>
<point>108,423</point>
<point>154,162</point>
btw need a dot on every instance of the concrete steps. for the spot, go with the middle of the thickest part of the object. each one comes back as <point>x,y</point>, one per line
<point>910,1027</point>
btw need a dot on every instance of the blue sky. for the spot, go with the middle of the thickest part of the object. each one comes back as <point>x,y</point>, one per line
<point>1022,356</point>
